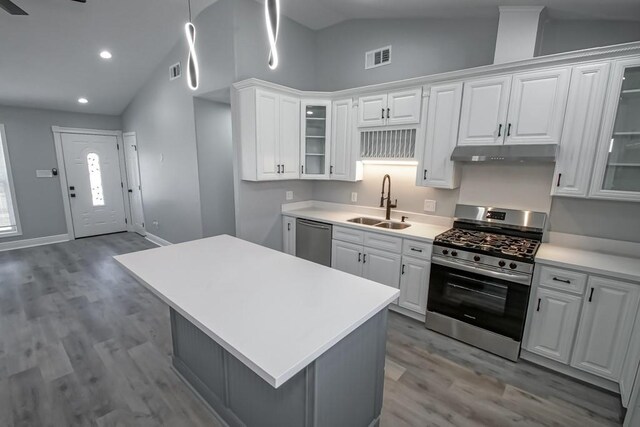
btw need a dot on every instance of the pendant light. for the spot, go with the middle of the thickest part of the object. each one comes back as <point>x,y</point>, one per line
<point>272,18</point>
<point>192,60</point>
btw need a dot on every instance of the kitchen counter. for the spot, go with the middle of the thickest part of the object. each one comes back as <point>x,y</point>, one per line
<point>260,334</point>
<point>418,230</point>
<point>611,265</point>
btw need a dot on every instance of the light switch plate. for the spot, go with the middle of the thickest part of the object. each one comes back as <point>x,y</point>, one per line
<point>289,195</point>
<point>44,173</point>
<point>429,205</point>
<point>354,197</point>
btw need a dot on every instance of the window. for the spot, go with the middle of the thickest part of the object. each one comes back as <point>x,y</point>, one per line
<point>9,222</point>
<point>95,179</point>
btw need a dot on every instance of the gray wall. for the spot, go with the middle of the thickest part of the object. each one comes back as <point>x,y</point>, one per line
<point>215,167</point>
<point>419,47</point>
<point>568,35</point>
<point>31,147</point>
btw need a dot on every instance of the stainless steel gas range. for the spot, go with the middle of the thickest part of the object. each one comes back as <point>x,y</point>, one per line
<point>481,272</point>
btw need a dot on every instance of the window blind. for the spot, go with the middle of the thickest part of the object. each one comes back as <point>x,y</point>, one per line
<point>8,222</point>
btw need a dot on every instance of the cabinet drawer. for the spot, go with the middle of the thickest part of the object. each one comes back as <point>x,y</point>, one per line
<point>380,241</point>
<point>565,280</point>
<point>417,249</point>
<point>348,235</point>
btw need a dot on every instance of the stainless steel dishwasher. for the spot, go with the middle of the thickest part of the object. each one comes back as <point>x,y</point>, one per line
<point>313,241</point>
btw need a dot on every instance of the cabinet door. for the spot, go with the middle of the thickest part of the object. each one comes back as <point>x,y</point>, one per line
<point>630,367</point>
<point>289,235</point>
<point>381,266</point>
<point>341,130</point>
<point>616,173</point>
<point>484,111</point>
<point>608,314</point>
<point>537,106</point>
<point>347,257</point>
<point>441,136</point>
<point>554,322</point>
<point>372,110</point>
<point>414,283</point>
<point>267,134</point>
<point>580,133</point>
<point>404,107</point>
<point>316,133</point>
<point>289,147</point>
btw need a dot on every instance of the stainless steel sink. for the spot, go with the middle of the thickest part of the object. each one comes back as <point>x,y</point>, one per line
<point>393,225</point>
<point>365,220</point>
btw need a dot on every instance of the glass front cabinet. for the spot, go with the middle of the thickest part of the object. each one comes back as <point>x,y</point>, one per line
<point>616,174</point>
<point>316,131</point>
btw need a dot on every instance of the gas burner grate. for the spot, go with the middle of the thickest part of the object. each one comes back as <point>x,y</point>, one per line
<point>492,243</point>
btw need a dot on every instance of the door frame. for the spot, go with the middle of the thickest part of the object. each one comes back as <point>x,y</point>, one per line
<point>130,224</point>
<point>62,172</point>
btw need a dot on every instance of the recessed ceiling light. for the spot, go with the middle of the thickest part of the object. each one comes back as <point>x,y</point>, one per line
<point>105,54</point>
<point>83,100</point>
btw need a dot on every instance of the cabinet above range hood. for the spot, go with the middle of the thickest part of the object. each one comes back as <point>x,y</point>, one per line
<point>505,153</point>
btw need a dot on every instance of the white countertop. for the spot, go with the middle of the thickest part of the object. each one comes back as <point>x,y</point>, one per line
<point>274,312</point>
<point>420,231</point>
<point>611,265</point>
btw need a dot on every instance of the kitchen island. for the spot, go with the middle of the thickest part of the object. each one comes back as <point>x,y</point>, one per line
<point>269,339</point>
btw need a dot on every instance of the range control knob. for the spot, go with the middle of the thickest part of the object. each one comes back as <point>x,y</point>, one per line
<point>476,258</point>
<point>513,265</point>
<point>445,252</point>
<point>501,263</point>
<point>454,253</point>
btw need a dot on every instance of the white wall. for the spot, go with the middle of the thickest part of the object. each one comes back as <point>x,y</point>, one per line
<point>31,147</point>
<point>568,35</point>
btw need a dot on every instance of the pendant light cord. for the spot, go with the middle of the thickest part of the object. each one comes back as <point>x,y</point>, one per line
<point>189,3</point>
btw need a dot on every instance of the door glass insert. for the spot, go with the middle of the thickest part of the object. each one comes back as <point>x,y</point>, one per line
<point>623,162</point>
<point>95,179</point>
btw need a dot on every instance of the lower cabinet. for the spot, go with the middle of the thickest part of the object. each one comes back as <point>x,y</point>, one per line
<point>289,235</point>
<point>414,277</point>
<point>606,324</point>
<point>553,324</point>
<point>347,257</point>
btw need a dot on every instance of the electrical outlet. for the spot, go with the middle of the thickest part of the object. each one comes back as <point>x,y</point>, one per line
<point>289,195</point>
<point>429,205</point>
<point>354,197</point>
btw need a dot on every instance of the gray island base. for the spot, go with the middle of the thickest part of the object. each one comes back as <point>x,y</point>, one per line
<point>342,387</point>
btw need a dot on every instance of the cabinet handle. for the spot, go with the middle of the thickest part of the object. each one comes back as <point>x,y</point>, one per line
<point>424,176</point>
<point>364,258</point>
<point>539,301</point>
<point>330,170</point>
<point>302,169</point>
<point>289,226</point>
<point>509,130</point>
<point>283,168</point>
<point>558,183</point>
<point>382,114</point>
<point>500,129</point>
<point>402,268</point>
<point>591,295</point>
<point>278,168</point>
<point>359,257</point>
<point>388,113</point>
<point>416,250</point>
<point>562,280</point>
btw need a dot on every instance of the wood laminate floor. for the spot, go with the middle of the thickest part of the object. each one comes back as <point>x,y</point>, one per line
<point>81,343</point>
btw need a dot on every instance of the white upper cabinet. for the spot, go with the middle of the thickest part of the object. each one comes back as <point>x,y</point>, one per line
<point>537,105</point>
<point>607,320</point>
<point>441,134</point>
<point>616,173</point>
<point>372,110</point>
<point>268,125</point>
<point>316,135</point>
<point>341,140</point>
<point>484,111</point>
<point>394,108</point>
<point>580,134</point>
<point>404,107</point>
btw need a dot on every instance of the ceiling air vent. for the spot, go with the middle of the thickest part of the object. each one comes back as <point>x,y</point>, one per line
<point>377,57</point>
<point>175,71</point>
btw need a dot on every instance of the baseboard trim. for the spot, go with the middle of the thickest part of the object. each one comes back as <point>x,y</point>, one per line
<point>157,240</point>
<point>29,243</point>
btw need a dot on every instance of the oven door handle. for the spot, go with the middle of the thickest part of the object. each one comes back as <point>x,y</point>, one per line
<point>475,291</point>
<point>516,278</point>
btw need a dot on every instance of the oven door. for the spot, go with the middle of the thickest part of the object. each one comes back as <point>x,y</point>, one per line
<point>490,303</point>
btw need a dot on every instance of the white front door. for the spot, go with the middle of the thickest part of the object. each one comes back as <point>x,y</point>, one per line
<point>93,176</point>
<point>133,178</point>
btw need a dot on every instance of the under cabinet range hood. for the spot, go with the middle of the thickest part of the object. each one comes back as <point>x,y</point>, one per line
<point>505,153</point>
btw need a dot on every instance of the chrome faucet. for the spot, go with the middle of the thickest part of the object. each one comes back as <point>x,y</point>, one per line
<point>388,198</point>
